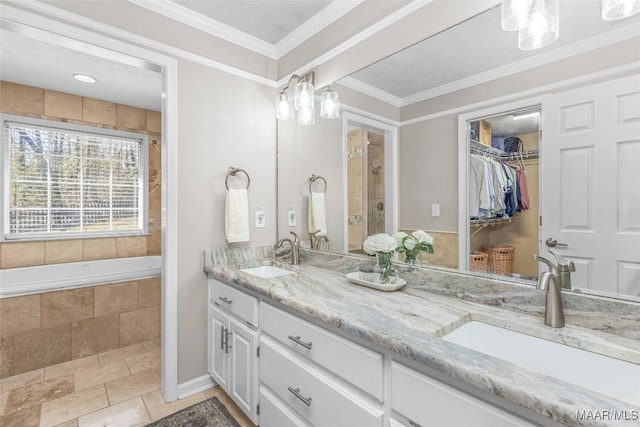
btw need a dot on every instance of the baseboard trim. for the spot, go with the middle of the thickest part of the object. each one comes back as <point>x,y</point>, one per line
<point>195,385</point>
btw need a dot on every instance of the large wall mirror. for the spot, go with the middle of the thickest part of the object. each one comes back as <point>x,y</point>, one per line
<point>459,94</point>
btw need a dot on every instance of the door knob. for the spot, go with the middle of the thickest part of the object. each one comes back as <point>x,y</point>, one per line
<point>552,243</point>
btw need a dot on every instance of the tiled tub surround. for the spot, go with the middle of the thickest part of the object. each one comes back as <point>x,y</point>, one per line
<point>411,321</point>
<point>48,328</point>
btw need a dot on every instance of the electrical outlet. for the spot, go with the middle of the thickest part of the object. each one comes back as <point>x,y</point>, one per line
<point>435,210</point>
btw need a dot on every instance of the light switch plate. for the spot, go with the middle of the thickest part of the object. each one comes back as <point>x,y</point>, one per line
<point>260,219</point>
<point>435,210</point>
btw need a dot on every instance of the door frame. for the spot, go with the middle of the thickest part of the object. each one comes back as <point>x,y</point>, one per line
<point>463,166</point>
<point>391,170</point>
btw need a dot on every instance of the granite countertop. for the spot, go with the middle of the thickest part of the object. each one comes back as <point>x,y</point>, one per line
<point>412,321</point>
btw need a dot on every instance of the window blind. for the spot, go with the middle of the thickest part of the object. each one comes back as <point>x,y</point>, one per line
<point>65,181</point>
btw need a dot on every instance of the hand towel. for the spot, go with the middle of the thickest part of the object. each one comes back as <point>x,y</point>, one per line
<point>236,216</point>
<point>317,219</point>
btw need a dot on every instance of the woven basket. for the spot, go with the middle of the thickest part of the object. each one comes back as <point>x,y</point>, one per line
<point>501,258</point>
<point>478,261</point>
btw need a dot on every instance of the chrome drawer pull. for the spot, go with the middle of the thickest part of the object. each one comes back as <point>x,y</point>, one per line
<point>414,424</point>
<point>297,339</point>
<point>225,300</point>
<point>222,334</point>
<point>296,393</point>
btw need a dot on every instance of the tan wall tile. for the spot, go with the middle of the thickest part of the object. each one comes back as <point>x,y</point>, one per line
<point>94,249</point>
<point>97,111</point>
<point>63,105</point>
<point>66,306</point>
<point>61,251</point>
<point>154,243</point>
<point>139,326</point>
<point>92,336</point>
<point>6,357</point>
<point>154,121</point>
<point>22,254</point>
<point>131,246</point>
<point>149,292</point>
<point>42,347</point>
<point>115,298</point>
<point>131,118</point>
<point>20,99</point>
<point>19,314</point>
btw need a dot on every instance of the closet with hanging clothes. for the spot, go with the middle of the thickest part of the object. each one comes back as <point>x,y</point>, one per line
<point>503,196</point>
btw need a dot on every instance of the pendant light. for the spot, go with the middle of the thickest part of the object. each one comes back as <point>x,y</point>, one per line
<point>304,95</point>
<point>329,104</point>
<point>619,9</point>
<point>515,14</point>
<point>543,27</point>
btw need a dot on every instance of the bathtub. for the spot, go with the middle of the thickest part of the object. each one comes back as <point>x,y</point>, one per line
<point>29,280</point>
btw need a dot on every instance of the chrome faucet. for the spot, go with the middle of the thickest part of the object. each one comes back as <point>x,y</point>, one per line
<point>553,314</point>
<point>295,247</point>
<point>315,240</point>
<point>563,270</point>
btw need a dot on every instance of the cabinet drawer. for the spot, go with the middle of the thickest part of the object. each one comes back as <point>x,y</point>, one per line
<point>232,300</point>
<point>274,413</point>
<point>426,402</point>
<point>354,363</point>
<point>305,389</point>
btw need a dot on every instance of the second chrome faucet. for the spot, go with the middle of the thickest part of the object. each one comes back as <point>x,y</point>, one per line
<point>552,282</point>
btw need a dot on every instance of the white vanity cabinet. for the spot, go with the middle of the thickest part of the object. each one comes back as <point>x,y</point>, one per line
<point>423,401</point>
<point>233,345</point>
<point>322,378</point>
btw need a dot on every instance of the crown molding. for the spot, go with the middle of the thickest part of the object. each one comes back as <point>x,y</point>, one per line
<point>317,23</point>
<point>49,23</point>
<point>196,20</point>
<point>363,35</point>
<point>369,90</point>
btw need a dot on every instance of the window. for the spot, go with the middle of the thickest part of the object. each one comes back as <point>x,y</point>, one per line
<point>64,180</point>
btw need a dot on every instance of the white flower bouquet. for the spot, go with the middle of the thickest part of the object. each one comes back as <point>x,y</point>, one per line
<point>412,244</point>
<point>383,247</point>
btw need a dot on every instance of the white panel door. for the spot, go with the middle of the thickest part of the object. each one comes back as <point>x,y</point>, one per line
<point>590,195</point>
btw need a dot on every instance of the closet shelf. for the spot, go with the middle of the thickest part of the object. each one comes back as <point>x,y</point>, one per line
<point>484,223</point>
<point>483,150</point>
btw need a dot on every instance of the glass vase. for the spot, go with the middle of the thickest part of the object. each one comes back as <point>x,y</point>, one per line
<point>384,268</point>
<point>410,256</point>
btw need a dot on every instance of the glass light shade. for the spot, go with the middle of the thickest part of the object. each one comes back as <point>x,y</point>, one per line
<point>543,27</point>
<point>329,105</point>
<point>304,94</point>
<point>284,107</point>
<point>307,116</point>
<point>619,9</point>
<point>515,14</point>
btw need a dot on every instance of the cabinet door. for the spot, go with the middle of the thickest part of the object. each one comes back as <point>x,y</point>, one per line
<point>218,358</point>
<point>243,374</point>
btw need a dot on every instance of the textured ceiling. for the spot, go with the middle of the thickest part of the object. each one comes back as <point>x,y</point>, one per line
<point>37,63</point>
<point>476,46</point>
<point>268,20</point>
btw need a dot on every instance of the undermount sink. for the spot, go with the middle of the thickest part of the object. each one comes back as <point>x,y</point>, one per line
<point>267,271</point>
<point>613,377</point>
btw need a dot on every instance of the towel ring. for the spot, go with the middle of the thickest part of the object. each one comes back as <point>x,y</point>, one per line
<point>232,171</point>
<point>313,178</point>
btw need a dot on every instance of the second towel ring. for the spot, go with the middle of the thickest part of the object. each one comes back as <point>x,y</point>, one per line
<point>313,178</point>
<point>232,171</point>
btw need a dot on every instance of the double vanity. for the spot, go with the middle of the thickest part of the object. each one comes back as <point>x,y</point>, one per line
<point>301,345</point>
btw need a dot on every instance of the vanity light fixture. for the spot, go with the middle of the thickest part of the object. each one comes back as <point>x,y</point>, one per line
<point>303,101</point>
<point>84,78</point>
<point>619,9</point>
<point>515,14</point>
<point>329,104</point>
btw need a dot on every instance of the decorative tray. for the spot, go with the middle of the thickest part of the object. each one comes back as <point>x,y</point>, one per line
<point>355,278</point>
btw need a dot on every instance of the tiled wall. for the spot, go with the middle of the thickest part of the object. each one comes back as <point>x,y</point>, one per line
<point>54,327</point>
<point>45,104</point>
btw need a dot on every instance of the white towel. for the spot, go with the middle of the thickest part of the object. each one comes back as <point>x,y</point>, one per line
<point>317,219</point>
<point>236,216</point>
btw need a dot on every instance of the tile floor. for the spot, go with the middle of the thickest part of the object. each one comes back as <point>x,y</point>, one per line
<point>119,388</point>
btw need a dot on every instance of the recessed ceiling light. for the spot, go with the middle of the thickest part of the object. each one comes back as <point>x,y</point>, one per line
<point>84,78</point>
<point>527,115</point>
